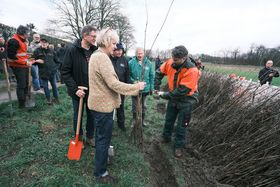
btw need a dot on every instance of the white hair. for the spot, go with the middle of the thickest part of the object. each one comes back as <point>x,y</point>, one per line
<point>106,37</point>
<point>139,49</point>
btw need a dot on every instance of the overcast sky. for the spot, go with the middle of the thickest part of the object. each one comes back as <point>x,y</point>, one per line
<point>203,26</point>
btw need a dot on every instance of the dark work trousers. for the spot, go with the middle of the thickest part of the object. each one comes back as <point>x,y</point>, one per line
<point>183,111</point>
<point>21,75</point>
<point>104,127</point>
<point>90,119</point>
<point>120,114</point>
<point>134,104</point>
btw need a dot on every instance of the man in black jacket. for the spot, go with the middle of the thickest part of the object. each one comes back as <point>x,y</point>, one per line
<point>120,64</point>
<point>267,73</point>
<point>74,72</point>
<point>47,62</point>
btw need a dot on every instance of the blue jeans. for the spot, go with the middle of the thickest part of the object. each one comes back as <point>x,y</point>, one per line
<point>35,77</point>
<point>46,87</point>
<point>90,119</point>
<point>104,127</point>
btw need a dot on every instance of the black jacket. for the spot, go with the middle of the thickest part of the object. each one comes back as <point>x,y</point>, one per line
<point>3,52</point>
<point>263,75</point>
<point>12,47</point>
<point>60,55</point>
<point>74,70</point>
<point>121,68</point>
<point>49,67</point>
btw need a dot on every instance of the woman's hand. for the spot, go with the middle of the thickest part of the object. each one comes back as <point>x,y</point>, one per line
<point>141,85</point>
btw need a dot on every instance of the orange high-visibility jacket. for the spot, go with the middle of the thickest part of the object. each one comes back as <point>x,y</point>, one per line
<point>21,55</point>
<point>188,76</point>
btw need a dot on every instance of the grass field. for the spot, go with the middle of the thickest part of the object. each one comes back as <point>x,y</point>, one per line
<point>250,72</point>
<point>34,146</point>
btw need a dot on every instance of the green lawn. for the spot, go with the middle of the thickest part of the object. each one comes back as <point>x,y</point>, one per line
<point>250,72</point>
<point>34,146</point>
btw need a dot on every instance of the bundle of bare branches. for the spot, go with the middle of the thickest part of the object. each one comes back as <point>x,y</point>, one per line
<point>236,132</point>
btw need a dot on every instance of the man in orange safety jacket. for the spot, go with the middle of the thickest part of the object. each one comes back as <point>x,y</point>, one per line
<point>183,76</point>
<point>19,63</point>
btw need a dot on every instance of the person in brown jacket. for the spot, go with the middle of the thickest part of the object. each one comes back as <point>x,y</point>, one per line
<point>104,96</point>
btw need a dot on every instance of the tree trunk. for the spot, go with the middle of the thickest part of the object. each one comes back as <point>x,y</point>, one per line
<point>136,136</point>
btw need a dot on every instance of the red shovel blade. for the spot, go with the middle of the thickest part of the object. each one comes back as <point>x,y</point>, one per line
<point>75,150</point>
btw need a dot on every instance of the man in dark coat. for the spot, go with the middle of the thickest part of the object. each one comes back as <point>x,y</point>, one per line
<point>74,72</point>
<point>267,73</point>
<point>121,67</point>
<point>47,62</point>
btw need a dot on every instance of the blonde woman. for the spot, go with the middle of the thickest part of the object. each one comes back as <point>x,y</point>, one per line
<point>104,96</point>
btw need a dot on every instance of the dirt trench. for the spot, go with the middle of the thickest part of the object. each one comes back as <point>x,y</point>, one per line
<point>161,170</point>
<point>196,171</point>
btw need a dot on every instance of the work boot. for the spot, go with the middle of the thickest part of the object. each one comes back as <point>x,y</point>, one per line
<point>90,142</point>
<point>178,153</point>
<point>21,103</point>
<point>122,127</point>
<point>107,179</point>
<point>165,140</point>
<point>56,100</point>
<point>49,102</point>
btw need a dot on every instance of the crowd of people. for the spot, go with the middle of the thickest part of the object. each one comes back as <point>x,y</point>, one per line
<point>97,61</point>
<point>35,60</point>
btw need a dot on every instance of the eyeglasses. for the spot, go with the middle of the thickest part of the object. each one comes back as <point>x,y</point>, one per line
<point>94,36</point>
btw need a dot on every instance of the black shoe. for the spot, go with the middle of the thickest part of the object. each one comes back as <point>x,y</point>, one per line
<point>165,140</point>
<point>90,142</point>
<point>122,128</point>
<point>56,101</point>
<point>107,179</point>
<point>21,104</point>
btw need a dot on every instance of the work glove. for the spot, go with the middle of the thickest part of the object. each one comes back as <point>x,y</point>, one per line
<point>163,95</point>
<point>151,92</point>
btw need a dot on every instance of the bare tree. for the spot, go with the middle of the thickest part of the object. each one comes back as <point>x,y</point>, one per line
<point>74,14</point>
<point>125,30</point>
<point>235,53</point>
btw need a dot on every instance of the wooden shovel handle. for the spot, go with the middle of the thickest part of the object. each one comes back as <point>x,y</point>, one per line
<point>7,78</point>
<point>80,111</point>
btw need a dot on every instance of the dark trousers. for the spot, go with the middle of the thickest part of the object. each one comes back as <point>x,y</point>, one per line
<point>134,104</point>
<point>90,119</point>
<point>183,112</point>
<point>21,75</point>
<point>104,126</point>
<point>46,86</point>
<point>120,113</point>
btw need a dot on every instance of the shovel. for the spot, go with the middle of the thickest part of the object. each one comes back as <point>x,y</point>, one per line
<point>75,147</point>
<point>29,102</point>
<point>8,85</point>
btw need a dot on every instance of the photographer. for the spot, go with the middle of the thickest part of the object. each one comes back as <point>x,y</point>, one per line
<point>267,73</point>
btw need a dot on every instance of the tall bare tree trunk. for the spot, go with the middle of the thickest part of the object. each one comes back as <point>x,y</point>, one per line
<point>137,132</point>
